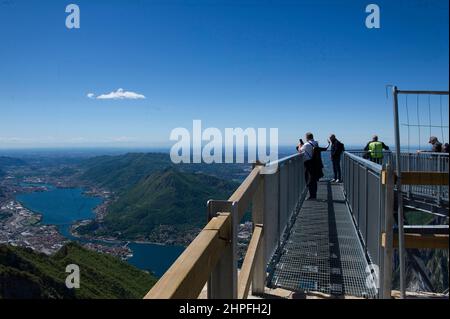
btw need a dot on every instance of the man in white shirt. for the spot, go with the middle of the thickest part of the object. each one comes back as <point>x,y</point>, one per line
<point>307,149</point>
<point>313,166</point>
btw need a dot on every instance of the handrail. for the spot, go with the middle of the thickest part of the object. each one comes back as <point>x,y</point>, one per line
<point>249,263</point>
<point>283,160</point>
<point>373,166</point>
<point>207,248</point>
<point>245,191</point>
<point>188,275</point>
<point>426,153</point>
<point>213,251</point>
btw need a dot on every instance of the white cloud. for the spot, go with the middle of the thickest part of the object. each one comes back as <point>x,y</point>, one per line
<point>123,139</point>
<point>120,94</point>
<point>24,140</point>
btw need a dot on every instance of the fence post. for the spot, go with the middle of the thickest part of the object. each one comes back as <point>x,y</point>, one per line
<point>439,188</point>
<point>401,237</point>
<point>279,207</point>
<point>222,283</point>
<point>258,211</point>
<point>389,232</point>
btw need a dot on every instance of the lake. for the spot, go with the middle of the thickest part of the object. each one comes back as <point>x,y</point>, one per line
<point>63,206</point>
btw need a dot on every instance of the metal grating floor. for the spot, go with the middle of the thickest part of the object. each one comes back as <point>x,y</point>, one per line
<point>323,252</point>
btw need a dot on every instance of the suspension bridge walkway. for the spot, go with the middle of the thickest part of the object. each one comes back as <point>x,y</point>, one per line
<point>323,252</point>
<point>341,244</point>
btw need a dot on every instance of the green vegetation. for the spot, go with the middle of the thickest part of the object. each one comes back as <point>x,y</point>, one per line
<point>117,173</point>
<point>416,217</point>
<point>168,198</point>
<point>27,274</point>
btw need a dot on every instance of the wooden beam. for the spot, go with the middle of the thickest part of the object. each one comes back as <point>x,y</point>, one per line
<point>419,241</point>
<point>420,178</point>
<point>186,277</point>
<point>258,214</point>
<point>248,265</point>
<point>244,194</point>
<point>424,178</point>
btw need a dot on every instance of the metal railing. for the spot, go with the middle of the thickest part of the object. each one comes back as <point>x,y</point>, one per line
<point>418,162</point>
<point>370,190</point>
<point>424,162</point>
<point>284,192</point>
<point>212,257</point>
<point>365,197</point>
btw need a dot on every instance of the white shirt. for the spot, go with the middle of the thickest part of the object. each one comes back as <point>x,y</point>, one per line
<point>307,149</point>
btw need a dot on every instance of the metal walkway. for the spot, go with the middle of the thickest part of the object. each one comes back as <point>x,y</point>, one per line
<point>323,252</point>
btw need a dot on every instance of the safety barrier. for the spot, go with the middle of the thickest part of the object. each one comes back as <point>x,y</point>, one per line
<point>370,192</point>
<point>212,257</point>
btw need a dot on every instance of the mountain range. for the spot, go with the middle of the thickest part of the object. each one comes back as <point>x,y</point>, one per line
<point>117,173</point>
<point>26,274</point>
<point>167,203</point>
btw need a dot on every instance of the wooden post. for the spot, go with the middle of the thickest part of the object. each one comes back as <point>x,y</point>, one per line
<point>389,229</point>
<point>222,283</point>
<point>258,210</point>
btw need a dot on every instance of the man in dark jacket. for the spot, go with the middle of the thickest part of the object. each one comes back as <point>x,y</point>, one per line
<point>337,148</point>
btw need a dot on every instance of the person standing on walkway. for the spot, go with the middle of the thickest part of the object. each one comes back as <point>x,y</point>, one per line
<point>375,150</point>
<point>313,163</point>
<point>337,148</point>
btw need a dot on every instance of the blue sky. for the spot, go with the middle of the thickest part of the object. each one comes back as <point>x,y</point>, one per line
<point>295,65</point>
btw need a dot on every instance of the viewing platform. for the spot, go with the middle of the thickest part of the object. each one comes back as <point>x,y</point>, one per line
<point>323,252</point>
<point>340,245</point>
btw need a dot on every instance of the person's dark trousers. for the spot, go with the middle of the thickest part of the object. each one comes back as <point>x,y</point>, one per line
<point>337,168</point>
<point>311,181</point>
<point>377,160</point>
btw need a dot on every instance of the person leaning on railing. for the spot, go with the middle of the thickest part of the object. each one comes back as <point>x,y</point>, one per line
<point>436,146</point>
<point>374,150</point>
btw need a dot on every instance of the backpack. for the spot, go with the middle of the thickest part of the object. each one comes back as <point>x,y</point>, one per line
<point>316,160</point>
<point>340,148</point>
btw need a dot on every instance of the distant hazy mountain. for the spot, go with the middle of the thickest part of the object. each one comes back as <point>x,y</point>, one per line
<point>168,199</point>
<point>27,274</point>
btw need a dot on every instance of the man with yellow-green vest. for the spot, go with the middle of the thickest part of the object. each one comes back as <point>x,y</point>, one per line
<point>374,150</point>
